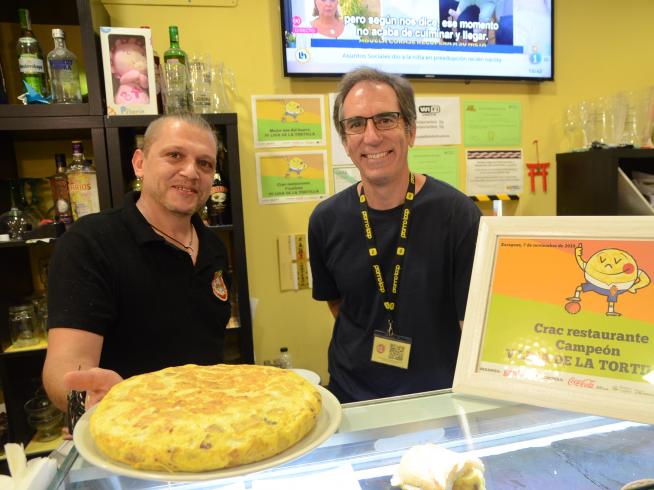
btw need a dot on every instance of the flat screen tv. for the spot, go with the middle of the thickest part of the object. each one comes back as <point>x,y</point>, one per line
<point>467,39</point>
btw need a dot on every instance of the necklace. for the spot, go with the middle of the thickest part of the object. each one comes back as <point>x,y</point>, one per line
<point>188,247</point>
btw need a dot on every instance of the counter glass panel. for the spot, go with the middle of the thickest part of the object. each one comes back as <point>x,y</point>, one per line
<point>521,446</point>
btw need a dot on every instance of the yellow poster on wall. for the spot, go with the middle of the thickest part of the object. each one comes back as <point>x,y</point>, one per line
<point>292,176</point>
<point>288,120</point>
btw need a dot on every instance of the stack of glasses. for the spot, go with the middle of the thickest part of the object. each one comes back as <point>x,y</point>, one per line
<point>198,87</point>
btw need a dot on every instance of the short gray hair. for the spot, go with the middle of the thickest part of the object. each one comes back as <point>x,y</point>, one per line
<point>400,85</point>
<point>188,117</point>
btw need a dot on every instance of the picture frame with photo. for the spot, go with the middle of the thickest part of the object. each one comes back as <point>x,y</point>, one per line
<point>128,69</point>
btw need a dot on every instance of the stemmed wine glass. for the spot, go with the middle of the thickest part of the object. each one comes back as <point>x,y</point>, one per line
<point>585,122</point>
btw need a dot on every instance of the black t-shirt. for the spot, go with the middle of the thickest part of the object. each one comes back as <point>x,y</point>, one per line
<point>112,275</point>
<point>432,296</point>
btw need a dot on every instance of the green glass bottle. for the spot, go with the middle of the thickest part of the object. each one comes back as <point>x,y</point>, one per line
<point>174,54</point>
<point>30,56</point>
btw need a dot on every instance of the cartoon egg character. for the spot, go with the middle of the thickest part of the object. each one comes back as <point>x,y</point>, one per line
<point>611,266</point>
<point>295,165</point>
<point>292,109</point>
<point>609,272</point>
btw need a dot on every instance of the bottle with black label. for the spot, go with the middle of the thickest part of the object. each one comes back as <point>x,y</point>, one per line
<point>218,203</point>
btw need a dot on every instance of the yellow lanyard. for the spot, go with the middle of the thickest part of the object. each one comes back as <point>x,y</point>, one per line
<point>389,296</point>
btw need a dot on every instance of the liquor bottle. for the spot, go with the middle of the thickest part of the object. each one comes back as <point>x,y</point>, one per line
<point>218,202</point>
<point>64,71</point>
<point>60,195</point>
<point>174,54</point>
<point>175,76</point>
<point>82,184</point>
<point>285,360</point>
<point>30,56</point>
<point>3,87</point>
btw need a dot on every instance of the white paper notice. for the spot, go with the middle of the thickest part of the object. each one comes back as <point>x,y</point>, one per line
<point>345,176</point>
<point>339,157</point>
<point>438,121</point>
<point>494,172</point>
<point>342,477</point>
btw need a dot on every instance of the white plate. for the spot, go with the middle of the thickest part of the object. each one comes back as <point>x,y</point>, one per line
<point>327,423</point>
<point>308,375</point>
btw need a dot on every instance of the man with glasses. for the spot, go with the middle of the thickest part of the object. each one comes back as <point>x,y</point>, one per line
<point>391,255</point>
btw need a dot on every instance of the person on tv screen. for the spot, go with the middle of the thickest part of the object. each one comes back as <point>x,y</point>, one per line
<point>486,9</point>
<point>391,255</point>
<point>329,22</point>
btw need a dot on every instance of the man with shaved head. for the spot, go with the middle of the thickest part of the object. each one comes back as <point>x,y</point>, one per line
<point>142,287</point>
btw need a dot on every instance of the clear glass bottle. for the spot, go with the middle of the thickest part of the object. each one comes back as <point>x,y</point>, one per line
<point>174,54</point>
<point>285,360</point>
<point>64,71</point>
<point>30,56</point>
<point>60,196</point>
<point>82,184</point>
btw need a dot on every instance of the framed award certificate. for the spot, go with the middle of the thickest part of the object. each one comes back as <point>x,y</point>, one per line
<point>560,314</point>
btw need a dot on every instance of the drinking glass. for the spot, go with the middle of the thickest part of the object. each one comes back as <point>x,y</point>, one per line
<point>601,126</point>
<point>648,123</point>
<point>634,132</point>
<point>630,131</point>
<point>586,122</point>
<point>200,74</point>
<point>570,126</point>
<point>222,79</point>
<point>43,416</point>
<point>618,113</point>
<point>22,326</point>
<point>174,88</point>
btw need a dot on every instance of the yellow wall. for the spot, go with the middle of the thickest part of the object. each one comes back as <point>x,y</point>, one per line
<point>600,49</point>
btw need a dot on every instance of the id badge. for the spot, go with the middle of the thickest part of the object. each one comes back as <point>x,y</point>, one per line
<point>391,350</point>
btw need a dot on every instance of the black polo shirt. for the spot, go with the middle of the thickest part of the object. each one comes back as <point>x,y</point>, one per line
<point>111,274</point>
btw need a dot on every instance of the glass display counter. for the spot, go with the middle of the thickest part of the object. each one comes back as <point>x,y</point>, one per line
<point>522,447</point>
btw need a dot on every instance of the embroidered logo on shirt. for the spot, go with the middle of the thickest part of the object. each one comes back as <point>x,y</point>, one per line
<point>219,287</point>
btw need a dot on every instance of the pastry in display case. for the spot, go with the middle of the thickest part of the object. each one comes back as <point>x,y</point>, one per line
<point>431,467</point>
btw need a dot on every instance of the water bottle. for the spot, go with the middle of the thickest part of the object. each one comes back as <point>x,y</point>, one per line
<point>285,360</point>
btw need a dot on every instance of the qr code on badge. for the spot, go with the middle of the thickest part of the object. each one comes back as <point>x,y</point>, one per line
<point>396,353</point>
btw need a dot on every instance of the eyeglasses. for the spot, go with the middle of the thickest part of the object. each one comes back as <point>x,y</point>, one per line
<point>382,121</point>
